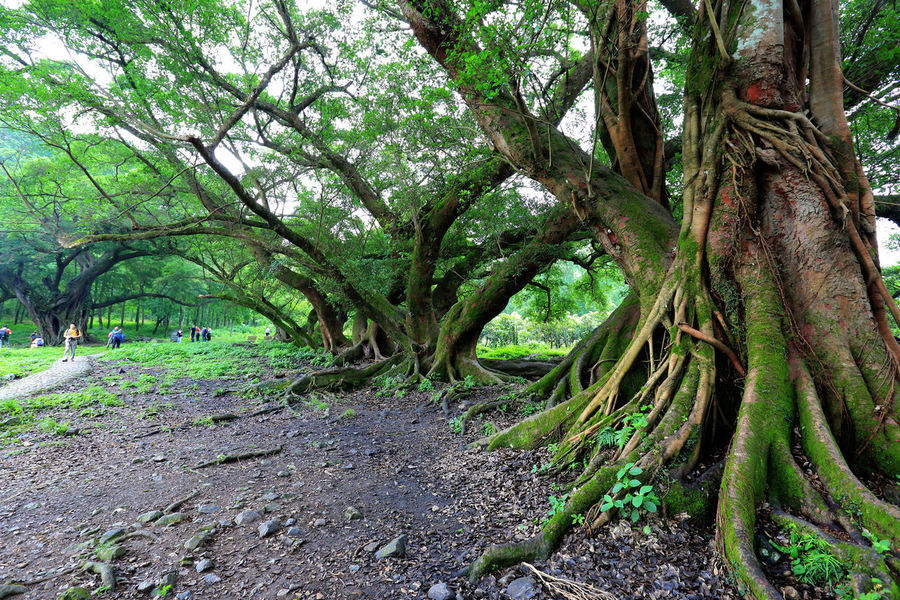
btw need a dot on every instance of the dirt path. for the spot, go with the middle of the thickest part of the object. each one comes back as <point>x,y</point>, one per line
<point>58,374</point>
<point>394,461</point>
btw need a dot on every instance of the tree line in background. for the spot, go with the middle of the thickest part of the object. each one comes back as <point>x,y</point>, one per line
<point>383,180</point>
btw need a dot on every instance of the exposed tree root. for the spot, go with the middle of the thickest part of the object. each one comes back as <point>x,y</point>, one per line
<point>104,570</point>
<point>230,458</point>
<point>340,379</point>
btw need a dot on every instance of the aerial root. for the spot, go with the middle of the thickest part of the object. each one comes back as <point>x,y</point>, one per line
<point>571,590</point>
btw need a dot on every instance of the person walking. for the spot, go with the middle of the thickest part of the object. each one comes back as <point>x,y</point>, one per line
<point>268,332</point>
<point>116,337</point>
<point>71,336</point>
<point>4,336</point>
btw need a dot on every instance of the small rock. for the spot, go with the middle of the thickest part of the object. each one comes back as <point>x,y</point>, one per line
<point>271,507</point>
<point>247,516</point>
<point>204,565</point>
<point>319,522</point>
<point>207,509</point>
<point>169,579</point>
<point>144,586</point>
<point>12,590</point>
<point>270,497</point>
<point>171,519</point>
<point>110,553</point>
<point>352,514</point>
<point>354,568</point>
<point>283,474</point>
<point>185,595</point>
<point>194,542</point>
<point>295,532</point>
<point>32,506</point>
<point>211,579</point>
<point>372,546</point>
<point>269,527</point>
<point>75,593</point>
<point>522,588</point>
<point>790,593</point>
<point>149,516</point>
<point>159,458</point>
<point>289,522</point>
<point>396,548</point>
<point>440,591</point>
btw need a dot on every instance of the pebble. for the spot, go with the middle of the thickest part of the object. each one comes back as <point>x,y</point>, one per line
<point>194,542</point>
<point>247,516</point>
<point>270,497</point>
<point>440,591</point>
<point>351,514</point>
<point>523,588</point>
<point>271,507</point>
<point>185,595</point>
<point>207,509</point>
<point>354,568</point>
<point>144,585</point>
<point>149,516</point>
<point>283,474</point>
<point>396,548</point>
<point>159,458</point>
<point>372,546</point>
<point>295,532</point>
<point>319,522</point>
<point>171,519</point>
<point>211,579</point>
<point>289,522</point>
<point>269,527</point>
<point>204,565</point>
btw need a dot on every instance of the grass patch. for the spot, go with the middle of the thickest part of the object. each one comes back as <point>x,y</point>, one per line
<point>531,351</point>
<point>20,362</point>
<point>21,415</point>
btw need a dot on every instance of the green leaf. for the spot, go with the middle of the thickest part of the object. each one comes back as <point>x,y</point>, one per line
<point>617,488</point>
<point>647,529</point>
<point>646,488</point>
<point>637,501</point>
<point>635,516</point>
<point>635,471</point>
<point>650,507</point>
<point>634,483</point>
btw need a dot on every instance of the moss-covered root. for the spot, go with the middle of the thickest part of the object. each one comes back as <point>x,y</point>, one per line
<point>854,497</point>
<point>865,563</point>
<point>766,409</point>
<point>337,379</point>
<point>542,545</point>
<point>542,427</point>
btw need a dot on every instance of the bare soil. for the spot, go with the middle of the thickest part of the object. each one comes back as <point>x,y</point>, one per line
<point>395,460</point>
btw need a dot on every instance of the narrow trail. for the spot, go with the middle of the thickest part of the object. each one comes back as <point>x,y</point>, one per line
<point>58,374</point>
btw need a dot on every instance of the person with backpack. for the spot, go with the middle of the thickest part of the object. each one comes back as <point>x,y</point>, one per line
<point>4,336</point>
<point>115,338</point>
<point>71,336</point>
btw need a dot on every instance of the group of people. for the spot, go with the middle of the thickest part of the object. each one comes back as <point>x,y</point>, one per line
<point>198,334</point>
<point>36,340</point>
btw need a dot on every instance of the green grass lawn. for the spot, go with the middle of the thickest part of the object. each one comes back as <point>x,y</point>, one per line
<point>20,362</point>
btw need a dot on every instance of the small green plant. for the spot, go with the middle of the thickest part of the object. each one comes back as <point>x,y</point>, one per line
<point>162,591</point>
<point>348,414</point>
<point>532,408</point>
<point>880,546</point>
<point>635,496</point>
<point>205,421</point>
<point>811,558</point>
<point>48,425</point>
<point>468,383</point>
<point>426,385</point>
<point>488,429</point>
<point>607,438</point>
<point>578,519</point>
<point>630,424</point>
<point>456,425</point>
<point>557,505</point>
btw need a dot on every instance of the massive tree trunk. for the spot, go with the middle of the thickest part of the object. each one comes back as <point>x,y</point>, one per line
<point>454,357</point>
<point>771,307</point>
